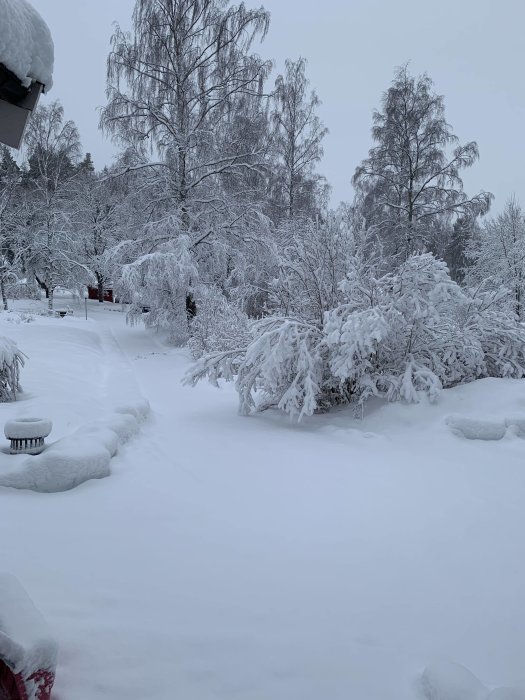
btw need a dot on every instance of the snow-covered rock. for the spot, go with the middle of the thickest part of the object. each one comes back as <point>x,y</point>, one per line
<point>26,46</point>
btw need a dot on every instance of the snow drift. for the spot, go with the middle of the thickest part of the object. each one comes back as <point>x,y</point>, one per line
<point>450,681</point>
<point>76,458</point>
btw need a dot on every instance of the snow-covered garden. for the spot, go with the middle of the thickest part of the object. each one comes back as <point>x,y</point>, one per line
<point>338,512</point>
<point>260,558</point>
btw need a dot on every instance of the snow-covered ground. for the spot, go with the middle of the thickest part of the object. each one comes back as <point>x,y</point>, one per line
<point>258,559</point>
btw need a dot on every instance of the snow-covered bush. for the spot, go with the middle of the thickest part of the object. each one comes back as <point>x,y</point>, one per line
<point>11,360</point>
<point>311,260</point>
<point>18,317</point>
<point>406,333</point>
<point>218,324</point>
<point>409,339</point>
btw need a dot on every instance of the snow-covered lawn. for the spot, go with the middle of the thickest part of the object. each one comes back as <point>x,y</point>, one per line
<point>258,559</point>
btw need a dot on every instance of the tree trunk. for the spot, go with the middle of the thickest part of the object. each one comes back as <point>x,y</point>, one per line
<point>100,284</point>
<point>4,298</point>
<point>43,286</point>
<point>49,294</point>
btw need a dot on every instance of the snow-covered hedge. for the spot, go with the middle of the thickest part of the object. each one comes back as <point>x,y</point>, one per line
<point>409,332</point>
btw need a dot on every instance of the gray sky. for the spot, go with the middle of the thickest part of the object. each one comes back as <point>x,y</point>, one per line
<point>473,49</point>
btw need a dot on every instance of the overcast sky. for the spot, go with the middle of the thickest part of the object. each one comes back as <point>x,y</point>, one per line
<point>474,51</point>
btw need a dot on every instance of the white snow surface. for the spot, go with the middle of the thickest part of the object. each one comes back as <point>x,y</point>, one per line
<point>254,558</point>
<point>26,46</point>
<point>86,445</point>
<point>25,640</point>
<point>451,681</point>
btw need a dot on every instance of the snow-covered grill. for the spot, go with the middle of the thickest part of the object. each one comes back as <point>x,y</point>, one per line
<point>27,435</point>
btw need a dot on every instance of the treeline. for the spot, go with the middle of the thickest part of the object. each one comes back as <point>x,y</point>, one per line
<point>216,217</point>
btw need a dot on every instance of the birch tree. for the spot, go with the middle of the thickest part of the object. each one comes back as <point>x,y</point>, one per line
<point>173,84</point>
<point>411,179</point>
<point>10,178</point>
<point>298,135</point>
<point>53,145</point>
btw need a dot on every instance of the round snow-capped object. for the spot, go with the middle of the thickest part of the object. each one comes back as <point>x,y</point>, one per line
<point>27,428</point>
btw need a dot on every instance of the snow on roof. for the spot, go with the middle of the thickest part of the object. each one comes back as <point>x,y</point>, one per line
<point>26,46</point>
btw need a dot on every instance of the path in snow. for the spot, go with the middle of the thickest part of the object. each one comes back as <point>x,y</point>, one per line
<point>251,558</point>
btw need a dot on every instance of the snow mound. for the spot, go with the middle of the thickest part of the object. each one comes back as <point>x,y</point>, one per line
<point>26,644</point>
<point>506,694</point>
<point>84,455</point>
<point>26,46</point>
<point>450,681</point>
<point>476,428</point>
<point>483,429</point>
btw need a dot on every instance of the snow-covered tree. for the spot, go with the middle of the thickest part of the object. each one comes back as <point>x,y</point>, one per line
<point>157,283</point>
<point>497,254</point>
<point>10,251</point>
<point>102,216</point>
<point>218,324</point>
<point>410,184</point>
<point>174,85</point>
<point>298,134</point>
<point>48,235</point>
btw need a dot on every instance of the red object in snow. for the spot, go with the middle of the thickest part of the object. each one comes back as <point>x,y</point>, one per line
<point>93,294</point>
<point>15,687</point>
<point>27,652</point>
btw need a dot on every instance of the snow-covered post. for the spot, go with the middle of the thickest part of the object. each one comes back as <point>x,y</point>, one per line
<point>26,67</point>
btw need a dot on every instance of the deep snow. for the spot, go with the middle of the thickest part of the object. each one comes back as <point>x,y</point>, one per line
<point>255,558</point>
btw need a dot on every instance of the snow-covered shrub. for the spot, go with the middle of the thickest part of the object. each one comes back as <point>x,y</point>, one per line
<point>406,333</point>
<point>311,261</point>
<point>409,339</point>
<point>218,324</point>
<point>283,366</point>
<point>18,317</point>
<point>490,317</point>
<point>11,360</point>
